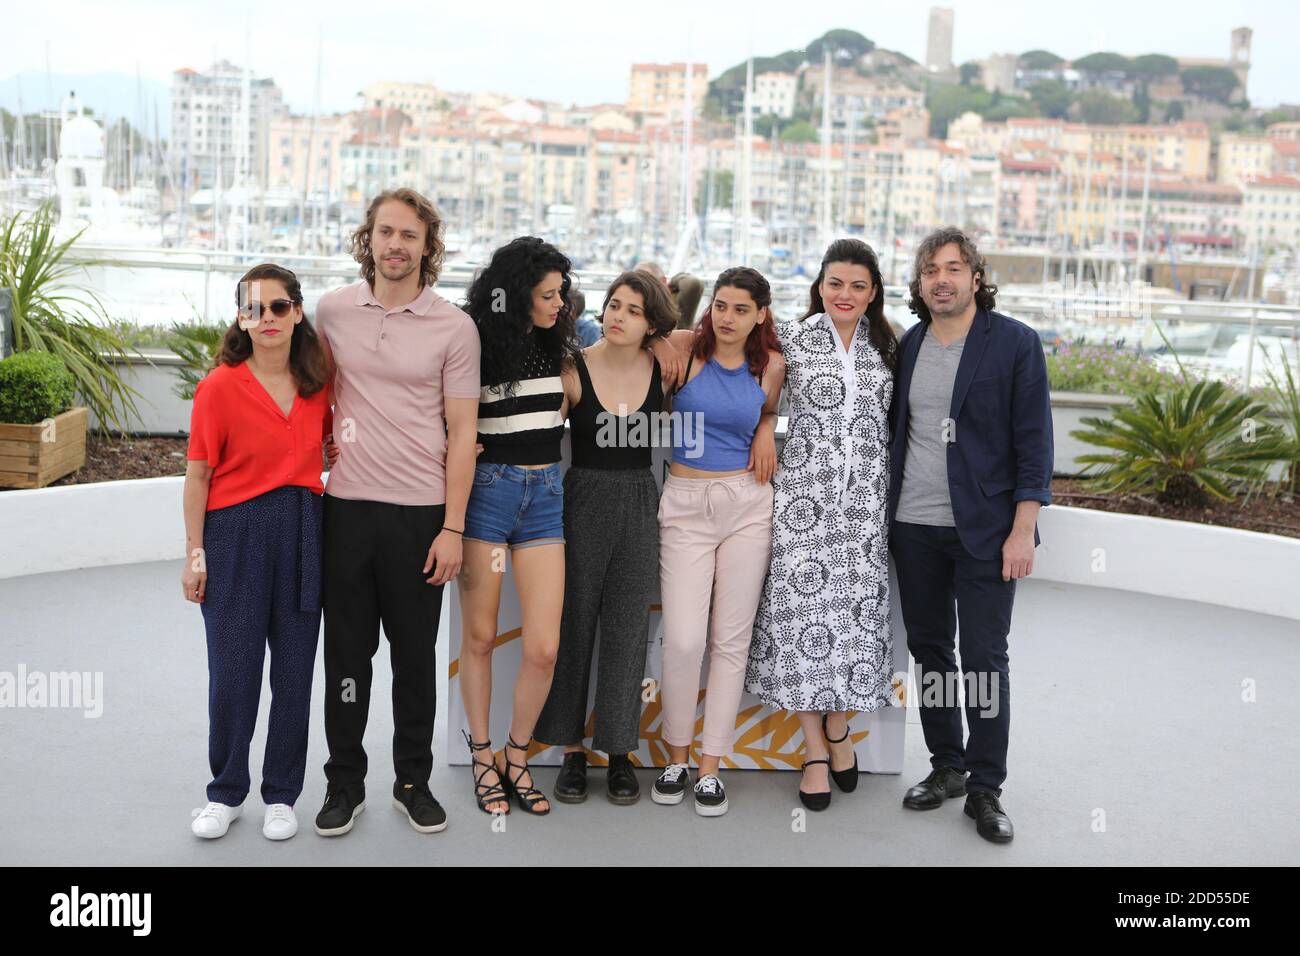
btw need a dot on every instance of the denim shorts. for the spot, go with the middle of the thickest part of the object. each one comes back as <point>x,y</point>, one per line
<point>521,507</point>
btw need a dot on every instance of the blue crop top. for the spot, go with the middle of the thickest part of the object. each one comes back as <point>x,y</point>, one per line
<point>715,415</point>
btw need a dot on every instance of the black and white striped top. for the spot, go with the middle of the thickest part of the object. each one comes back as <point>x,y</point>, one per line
<point>524,428</point>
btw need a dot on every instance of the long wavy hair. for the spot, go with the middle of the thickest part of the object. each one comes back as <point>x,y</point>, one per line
<point>500,301</point>
<point>879,331</point>
<point>762,339</point>
<point>434,250</point>
<point>985,294</point>
<point>308,363</point>
<point>659,309</point>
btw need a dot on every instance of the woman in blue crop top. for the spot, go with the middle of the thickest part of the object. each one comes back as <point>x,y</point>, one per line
<point>715,525</point>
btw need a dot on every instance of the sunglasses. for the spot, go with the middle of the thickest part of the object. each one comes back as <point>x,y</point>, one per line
<point>278,307</point>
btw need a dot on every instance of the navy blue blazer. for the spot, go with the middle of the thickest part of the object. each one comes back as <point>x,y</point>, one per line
<point>1002,448</point>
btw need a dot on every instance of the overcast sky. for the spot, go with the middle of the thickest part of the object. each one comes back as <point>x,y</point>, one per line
<point>581,51</point>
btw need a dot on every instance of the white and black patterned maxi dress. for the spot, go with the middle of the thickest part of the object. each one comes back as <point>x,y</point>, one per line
<point>822,638</point>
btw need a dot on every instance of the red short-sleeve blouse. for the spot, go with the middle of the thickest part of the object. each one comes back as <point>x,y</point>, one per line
<point>238,429</point>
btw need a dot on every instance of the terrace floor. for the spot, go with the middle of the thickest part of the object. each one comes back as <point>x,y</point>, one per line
<point>1131,744</point>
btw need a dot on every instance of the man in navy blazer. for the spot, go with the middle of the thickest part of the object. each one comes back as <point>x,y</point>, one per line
<point>971,464</point>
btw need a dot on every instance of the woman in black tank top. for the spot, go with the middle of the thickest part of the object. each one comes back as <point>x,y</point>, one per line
<point>611,535</point>
<point>613,439</point>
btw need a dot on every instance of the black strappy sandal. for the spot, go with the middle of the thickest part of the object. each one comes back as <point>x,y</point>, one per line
<point>486,793</point>
<point>815,801</point>
<point>528,797</point>
<point>846,780</point>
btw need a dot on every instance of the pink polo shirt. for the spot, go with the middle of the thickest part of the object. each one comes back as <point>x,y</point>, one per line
<point>394,369</point>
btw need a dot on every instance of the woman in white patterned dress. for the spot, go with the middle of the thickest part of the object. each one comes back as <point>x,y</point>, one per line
<point>822,645</point>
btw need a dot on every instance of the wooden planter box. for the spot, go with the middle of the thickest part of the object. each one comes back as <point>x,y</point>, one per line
<point>28,462</point>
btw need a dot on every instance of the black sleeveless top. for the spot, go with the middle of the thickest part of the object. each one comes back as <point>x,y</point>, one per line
<point>602,439</point>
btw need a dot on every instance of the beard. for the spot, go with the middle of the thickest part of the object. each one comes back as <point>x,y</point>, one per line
<point>398,272</point>
<point>961,298</point>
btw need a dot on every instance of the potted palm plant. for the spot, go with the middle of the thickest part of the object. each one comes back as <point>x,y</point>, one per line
<point>51,313</point>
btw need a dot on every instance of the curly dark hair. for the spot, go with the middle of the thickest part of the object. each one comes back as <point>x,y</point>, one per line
<point>308,362</point>
<point>879,331</point>
<point>985,295</point>
<point>434,250</point>
<point>500,301</point>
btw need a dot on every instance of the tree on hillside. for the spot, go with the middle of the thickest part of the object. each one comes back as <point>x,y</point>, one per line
<point>726,94</point>
<point>1209,82</point>
<point>801,132</point>
<point>1099,107</point>
<point>969,73</point>
<point>947,101</point>
<point>1039,60</point>
<point>1099,64</point>
<point>1152,65</point>
<point>1052,97</point>
<point>845,46</point>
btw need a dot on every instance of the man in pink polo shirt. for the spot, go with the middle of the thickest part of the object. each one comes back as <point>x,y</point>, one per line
<point>405,418</point>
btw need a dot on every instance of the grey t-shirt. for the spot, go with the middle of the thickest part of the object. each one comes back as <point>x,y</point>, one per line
<point>924,497</point>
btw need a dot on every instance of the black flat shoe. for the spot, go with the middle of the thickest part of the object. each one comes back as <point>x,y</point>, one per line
<point>942,784</point>
<point>571,784</point>
<point>815,801</point>
<point>620,781</point>
<point>846,780</point>
<point>991,821</point>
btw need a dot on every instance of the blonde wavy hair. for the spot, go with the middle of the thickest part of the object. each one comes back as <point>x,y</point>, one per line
<point>434,250</point>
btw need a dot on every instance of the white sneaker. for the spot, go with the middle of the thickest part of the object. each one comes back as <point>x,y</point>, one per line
<point>279,823</point>
<point>214,820</point>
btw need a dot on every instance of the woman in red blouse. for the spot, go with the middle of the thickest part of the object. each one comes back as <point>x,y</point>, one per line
<point>252,539</point>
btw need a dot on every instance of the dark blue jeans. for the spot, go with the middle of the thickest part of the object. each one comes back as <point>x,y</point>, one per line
<point>264,565</point>
<point>947,595</point>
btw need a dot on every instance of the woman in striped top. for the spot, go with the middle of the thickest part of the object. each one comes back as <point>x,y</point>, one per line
<point>520,304</point>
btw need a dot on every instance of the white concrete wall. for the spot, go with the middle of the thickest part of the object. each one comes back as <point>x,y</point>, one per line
<point>124,522</point>
<point>162,412</point>
<point>1068,410</point>
<point>1178,559</point>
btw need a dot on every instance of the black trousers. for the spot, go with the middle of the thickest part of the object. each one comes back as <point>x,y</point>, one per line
<point>947,594</point>
<point>611,567</point>
<point>373,574</point>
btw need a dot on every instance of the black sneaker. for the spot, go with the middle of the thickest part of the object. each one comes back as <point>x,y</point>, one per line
<point>620,781</point>
<point>339,812</point>
<point>671,786</point>
<point>423,812</point>
<point>710,796</point>
<point>571,783</point>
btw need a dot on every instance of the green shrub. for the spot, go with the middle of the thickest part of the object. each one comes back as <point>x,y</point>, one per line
<point>1186,445</point>
<point>34,386</point>
<point>1104,369</point>
<point>136,336</point>
<point>51,313</point>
